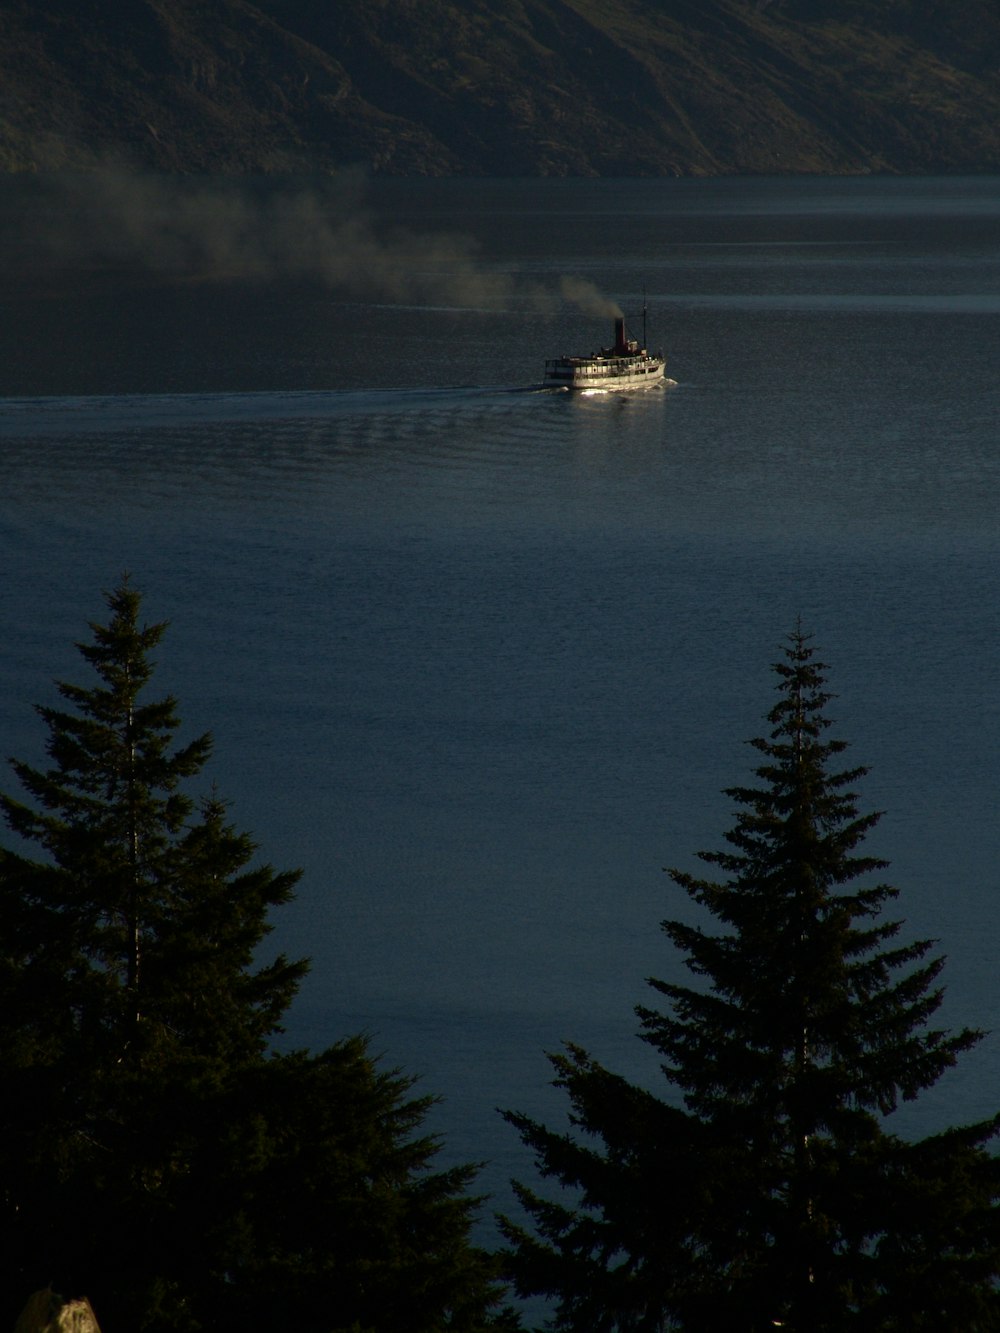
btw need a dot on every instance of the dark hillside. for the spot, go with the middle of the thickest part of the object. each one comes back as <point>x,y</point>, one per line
<point>502,87</point>
<point>179,86</point>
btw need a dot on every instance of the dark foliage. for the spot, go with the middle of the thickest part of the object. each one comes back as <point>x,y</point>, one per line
<point>771,1192</point>
<point>155,1155</point>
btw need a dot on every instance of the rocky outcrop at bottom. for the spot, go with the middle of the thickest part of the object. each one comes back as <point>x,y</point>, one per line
<point>47,1312</point>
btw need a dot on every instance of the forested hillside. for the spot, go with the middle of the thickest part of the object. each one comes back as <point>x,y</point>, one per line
<point>502,87</point>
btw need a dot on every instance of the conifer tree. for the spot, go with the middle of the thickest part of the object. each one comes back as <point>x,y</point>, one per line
<point>767,1190</point>
<point>155,1153</point>
<point>392,1254</point>
<point>127,866</point>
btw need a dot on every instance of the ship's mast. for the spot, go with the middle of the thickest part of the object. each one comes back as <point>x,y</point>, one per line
<point>644,342</point>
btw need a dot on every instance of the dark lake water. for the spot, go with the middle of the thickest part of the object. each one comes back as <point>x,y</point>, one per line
<point>481,658</point>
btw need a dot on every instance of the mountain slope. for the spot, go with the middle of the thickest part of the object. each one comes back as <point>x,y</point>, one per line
<point>502,87</point>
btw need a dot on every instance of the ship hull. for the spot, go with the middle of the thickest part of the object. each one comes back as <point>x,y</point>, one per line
<point>604,372</point>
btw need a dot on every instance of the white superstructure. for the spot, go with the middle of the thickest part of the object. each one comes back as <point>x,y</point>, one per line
<point>626,365</point>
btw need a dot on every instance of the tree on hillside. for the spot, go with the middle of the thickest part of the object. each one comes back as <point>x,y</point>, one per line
<point>767,1191</point>
<point>155,1155</point>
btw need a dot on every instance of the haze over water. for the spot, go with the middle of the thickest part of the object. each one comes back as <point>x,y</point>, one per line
<point>481,658</point>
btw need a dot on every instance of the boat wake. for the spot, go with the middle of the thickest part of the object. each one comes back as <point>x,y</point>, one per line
<point>22,418</point>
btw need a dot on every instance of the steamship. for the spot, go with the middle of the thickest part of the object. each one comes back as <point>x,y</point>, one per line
<point>626,365</point>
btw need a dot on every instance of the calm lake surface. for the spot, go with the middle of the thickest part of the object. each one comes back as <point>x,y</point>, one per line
<point>481,658</point>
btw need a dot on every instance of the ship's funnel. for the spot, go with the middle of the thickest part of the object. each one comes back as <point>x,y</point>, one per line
<point>620,345</point>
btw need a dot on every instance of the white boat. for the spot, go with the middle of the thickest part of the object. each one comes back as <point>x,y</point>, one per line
<point>626,365</point>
